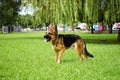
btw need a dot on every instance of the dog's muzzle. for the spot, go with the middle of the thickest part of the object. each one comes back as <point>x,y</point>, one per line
<point>47,38</point>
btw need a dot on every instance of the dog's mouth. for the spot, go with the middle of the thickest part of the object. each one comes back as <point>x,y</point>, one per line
<point>47,38</point>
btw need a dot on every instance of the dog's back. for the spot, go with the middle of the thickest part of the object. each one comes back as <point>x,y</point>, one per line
<point>69,39</point>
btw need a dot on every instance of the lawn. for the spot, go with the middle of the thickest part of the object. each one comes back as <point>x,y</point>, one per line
<point>25,56</point>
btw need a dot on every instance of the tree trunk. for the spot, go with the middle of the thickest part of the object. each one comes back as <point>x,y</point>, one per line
<point>92,30</point>
<point>1,28</point>
<point>35,28</point>
<point>73,28</point>
<point>9,30</point>
<point>46,25</point>
<point>12,28</point>
<point>110,28</point>
<point>118,38</point>
<point>63,28</point>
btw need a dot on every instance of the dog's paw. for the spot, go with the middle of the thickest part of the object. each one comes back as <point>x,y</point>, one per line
<point>58,61</point>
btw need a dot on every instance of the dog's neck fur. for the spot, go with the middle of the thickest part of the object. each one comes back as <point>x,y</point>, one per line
<point>54,42</point>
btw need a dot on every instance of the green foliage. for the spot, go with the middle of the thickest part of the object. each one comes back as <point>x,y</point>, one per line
<point>73,11</point>
<point>25,56</point>
<point>65,11</point>
<point>8,11</point>
<point>25,20</point>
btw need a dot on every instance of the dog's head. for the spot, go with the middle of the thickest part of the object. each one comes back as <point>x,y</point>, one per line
<point>51,33</point>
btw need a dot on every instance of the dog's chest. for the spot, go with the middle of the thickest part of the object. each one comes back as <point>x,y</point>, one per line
<point>59,45</point>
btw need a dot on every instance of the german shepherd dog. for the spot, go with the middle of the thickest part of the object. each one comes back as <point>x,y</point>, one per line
<point>61,42</point>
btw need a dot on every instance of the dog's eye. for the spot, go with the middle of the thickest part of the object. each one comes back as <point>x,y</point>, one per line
<point>50,33</point>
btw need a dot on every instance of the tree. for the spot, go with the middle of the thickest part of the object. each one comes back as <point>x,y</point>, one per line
<point>8,13</point>
<point>73,11</point>
<point>91,12</point>
<point>112,14</point>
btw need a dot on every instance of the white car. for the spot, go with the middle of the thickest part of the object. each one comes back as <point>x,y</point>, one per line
<point>116,26</point>
<point>82,26</point>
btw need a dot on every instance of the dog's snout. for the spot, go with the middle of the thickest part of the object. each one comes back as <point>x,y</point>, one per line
<point>46,36</point>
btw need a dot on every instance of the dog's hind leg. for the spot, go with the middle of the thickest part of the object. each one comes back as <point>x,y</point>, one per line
<point>79,45</point>
<point>79,53</point>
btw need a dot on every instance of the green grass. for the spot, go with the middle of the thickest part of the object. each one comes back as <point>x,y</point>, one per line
<point>25,56</point>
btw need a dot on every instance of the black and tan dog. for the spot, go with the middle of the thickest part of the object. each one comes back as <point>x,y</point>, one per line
<point>61,42</point>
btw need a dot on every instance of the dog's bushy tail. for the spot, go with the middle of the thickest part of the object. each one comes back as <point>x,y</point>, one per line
<point>87,53</point>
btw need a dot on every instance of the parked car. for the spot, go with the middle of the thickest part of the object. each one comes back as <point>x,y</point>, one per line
<point>116,26</point>
<point>82,26</point>
<point>97,27</point>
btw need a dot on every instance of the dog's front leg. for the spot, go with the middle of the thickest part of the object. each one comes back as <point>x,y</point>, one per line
<point>60,55</point>
<point>56,54</point>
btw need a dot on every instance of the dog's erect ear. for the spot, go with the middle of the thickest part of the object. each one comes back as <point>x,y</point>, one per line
<point>49,27</point>
<point>55,28</point>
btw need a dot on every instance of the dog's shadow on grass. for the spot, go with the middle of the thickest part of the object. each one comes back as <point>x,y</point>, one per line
<point>69,60</point>
<point>74,60</point>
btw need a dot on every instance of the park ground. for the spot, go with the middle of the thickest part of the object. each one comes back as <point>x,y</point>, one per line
<point>25,56</point>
